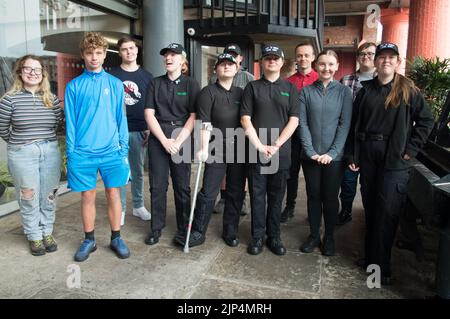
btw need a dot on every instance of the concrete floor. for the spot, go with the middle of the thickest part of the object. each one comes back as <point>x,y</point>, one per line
<point>212,270</point>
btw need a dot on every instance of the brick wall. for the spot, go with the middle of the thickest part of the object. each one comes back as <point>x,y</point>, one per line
<point>347,35</point>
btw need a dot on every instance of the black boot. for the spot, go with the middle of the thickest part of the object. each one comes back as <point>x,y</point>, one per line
<point>153,237</point>
<point>345,214</point>
<point>328,247</point>
<point>311,243</point>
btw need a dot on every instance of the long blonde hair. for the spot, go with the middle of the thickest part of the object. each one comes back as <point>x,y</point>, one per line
<point>44,86</point>
<point>185,66</point>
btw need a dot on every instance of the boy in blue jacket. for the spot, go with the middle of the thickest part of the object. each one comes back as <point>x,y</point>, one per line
<point>97,141</point>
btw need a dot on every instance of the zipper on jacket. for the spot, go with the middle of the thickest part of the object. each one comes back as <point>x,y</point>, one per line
<point>324,94</point>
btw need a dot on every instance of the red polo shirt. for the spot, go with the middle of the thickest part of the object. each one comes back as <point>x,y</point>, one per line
<point>300,80</point>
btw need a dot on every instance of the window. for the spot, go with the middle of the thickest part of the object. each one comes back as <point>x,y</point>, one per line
<point>51,29</point>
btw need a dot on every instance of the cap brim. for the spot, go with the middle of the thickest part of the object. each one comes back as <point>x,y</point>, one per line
<point>164,51</point>
<point>272,53</point>
<point>232,51</point>
<point>381,51</point>
<point>222,60</point>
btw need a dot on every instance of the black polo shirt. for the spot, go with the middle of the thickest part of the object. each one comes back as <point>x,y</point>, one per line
<point>375,118</point>
<point>221,108</point>
<point>270,104</point>
<point>172,100</point>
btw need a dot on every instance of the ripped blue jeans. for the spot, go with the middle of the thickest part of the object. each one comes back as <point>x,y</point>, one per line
<point>35,169</point>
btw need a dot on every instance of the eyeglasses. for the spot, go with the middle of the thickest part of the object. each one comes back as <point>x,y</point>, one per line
<point>366,54</point>
<point>29,69</point>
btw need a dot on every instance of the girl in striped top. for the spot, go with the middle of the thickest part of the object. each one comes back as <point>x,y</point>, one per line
<point>29,116</point>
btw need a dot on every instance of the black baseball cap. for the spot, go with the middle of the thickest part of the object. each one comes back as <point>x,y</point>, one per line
<point>232,48</point>
<point>386,46</point>
<point>225,57</point>
<point>272,49</point>
<point>174,47</point>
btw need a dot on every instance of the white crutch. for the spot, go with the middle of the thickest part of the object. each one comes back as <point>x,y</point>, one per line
<point>194,200</point>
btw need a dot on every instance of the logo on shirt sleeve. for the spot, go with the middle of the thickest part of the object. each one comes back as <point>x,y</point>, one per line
<point>284,93</point>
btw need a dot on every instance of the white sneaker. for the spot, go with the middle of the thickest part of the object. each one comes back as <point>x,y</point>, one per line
<point>142,213</point>
<point>122,219</point>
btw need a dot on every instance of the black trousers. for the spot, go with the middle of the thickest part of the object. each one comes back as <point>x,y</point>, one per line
<point>322,189</point>
<point>384,196</point>
<point>235,192</point>
<point>292,182</point>
<point>408,224</point>
<point>160,164</point>
<point>273,186</point>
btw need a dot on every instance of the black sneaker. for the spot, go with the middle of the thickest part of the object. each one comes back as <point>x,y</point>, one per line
<point>345,215</point>
<point>50,244</point>
<point>276,246</point>
<point>328,247</point>
<point>196,238</point>
<point>37,247</point>
<point>153,237</point>
<point>255,247</point>
<point>179,238</point>
<point>231,241</point>
<point>287,214</point>
<point>310,244</point>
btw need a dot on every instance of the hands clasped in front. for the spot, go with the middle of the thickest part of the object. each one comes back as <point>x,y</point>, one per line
<point>322,159</point>
<point>268,150</point>
<point>171,146</point>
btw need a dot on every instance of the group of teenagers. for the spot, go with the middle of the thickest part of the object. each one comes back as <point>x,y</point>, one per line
<point>372,122</point>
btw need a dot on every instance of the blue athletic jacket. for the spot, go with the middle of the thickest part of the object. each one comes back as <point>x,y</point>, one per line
<point>96,123</point>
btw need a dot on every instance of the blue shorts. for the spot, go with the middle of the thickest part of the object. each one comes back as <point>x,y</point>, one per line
<point>82,171</point>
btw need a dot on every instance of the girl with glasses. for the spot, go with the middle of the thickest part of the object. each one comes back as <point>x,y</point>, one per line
<point>29,116</point>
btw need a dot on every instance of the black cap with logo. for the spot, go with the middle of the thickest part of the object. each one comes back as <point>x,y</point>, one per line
<point>386,46</point>
<point>174,47</point>
<point>225,57</point>
<point>232,48</point>
<point>272,49</point>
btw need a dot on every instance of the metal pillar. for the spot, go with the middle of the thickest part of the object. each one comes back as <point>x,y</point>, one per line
<point>163,23</point>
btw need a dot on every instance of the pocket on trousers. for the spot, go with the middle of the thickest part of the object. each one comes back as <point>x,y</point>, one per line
<point>402,188</point>
<point>14,148</point>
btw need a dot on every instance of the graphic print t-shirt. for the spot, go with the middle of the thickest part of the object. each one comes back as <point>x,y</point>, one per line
<point>135,85</point>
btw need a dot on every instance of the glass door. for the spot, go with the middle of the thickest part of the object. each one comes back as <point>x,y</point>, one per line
<point>204,52</point>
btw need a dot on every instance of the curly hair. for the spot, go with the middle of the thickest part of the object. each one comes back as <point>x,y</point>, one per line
<point>44,87</point>
<point>92,41</point>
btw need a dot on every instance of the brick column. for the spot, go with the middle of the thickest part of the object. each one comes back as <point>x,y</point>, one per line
<point>395,30</point>
<point>429,29</point>
<point>68,67</point>
<point>369,30</point>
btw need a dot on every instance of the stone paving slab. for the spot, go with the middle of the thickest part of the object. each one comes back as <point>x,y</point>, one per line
<point>212,270</point>
<point>294,271</point>
<point>226,289</point>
